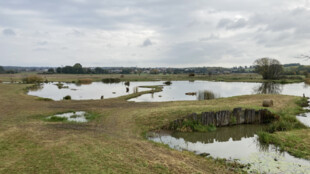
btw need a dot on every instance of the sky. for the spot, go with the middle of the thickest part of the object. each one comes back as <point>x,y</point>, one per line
<point>153,33</point>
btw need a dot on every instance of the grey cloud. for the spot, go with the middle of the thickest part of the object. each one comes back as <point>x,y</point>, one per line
<point>8,32</point>
<point>201,53</point>
<point>147,43</point>
<point>267,26</point>
<point>211,37</point>
<point>231,24</point>
<point>42,43</point>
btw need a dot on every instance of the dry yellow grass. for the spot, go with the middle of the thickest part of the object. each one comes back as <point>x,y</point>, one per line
<point>112,143</point>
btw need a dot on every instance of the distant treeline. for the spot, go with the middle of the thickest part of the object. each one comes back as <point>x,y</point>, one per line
<point>289,69</point>
<point>77,69</point>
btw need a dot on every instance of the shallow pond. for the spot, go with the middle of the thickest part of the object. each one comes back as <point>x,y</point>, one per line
<point>209,89</point>
<point>198,90</point>
<point>88,91</point>
<point>78,116</point>
<point>237,142</point>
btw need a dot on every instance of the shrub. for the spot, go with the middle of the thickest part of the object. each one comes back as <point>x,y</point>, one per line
<point>67,97</point>
<point>32,79</point>
<point>191,75</point>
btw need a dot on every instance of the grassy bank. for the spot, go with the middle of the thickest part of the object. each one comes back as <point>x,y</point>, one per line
<point>288,133</point>
<point>110,143</point>
<point>245,77</point>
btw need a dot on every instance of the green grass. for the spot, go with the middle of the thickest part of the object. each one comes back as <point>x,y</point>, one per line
<point>55,118</point>
<point>92,116</point>
<point>282,133</point>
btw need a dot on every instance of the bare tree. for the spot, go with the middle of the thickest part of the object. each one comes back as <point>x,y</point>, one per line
<point>268,68</point>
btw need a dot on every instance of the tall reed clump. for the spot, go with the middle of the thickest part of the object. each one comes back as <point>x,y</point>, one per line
<point>85,81</point>
<point>206,95</point>
<point>307,81</point>
<point>111,80</point>
<point>34,79</point>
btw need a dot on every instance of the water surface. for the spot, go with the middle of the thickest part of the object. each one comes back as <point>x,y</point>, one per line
<point>176,91</point>
<point>90,91</point>
<point>237,142</point>
<point>199,90</point>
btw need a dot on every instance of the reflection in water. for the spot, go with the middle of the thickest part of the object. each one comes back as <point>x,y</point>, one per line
<point>237,142</point>
<point>206,95</point>
<point>35,87</point>
<point>222,134</point>
<point>268,88</point>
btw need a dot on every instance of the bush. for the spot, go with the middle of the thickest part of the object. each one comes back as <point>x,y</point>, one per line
<point>32,79</point>
<point>68,97</point>
<point>191,75</point>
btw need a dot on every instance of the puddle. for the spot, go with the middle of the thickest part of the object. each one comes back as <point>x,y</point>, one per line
<point>237,142</point>
<point>72,116</point>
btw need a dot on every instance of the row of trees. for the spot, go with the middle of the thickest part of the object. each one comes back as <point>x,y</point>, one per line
<point>77,69</point>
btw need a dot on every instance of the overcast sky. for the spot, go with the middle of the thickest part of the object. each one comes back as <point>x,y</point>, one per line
<point>150,33</point>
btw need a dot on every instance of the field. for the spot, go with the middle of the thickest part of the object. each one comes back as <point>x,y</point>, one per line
<point>245,77</point>
<point>114,141</point>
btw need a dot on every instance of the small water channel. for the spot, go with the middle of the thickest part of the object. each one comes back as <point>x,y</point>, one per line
<point>197,90</point>
<point>236,142</point>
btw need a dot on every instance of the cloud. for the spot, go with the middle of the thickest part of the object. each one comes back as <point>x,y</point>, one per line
<point>8,32</point>
<point>213,32</point>
<point>232,24</point>
<point>42,43</point>
<point>147,43</point>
